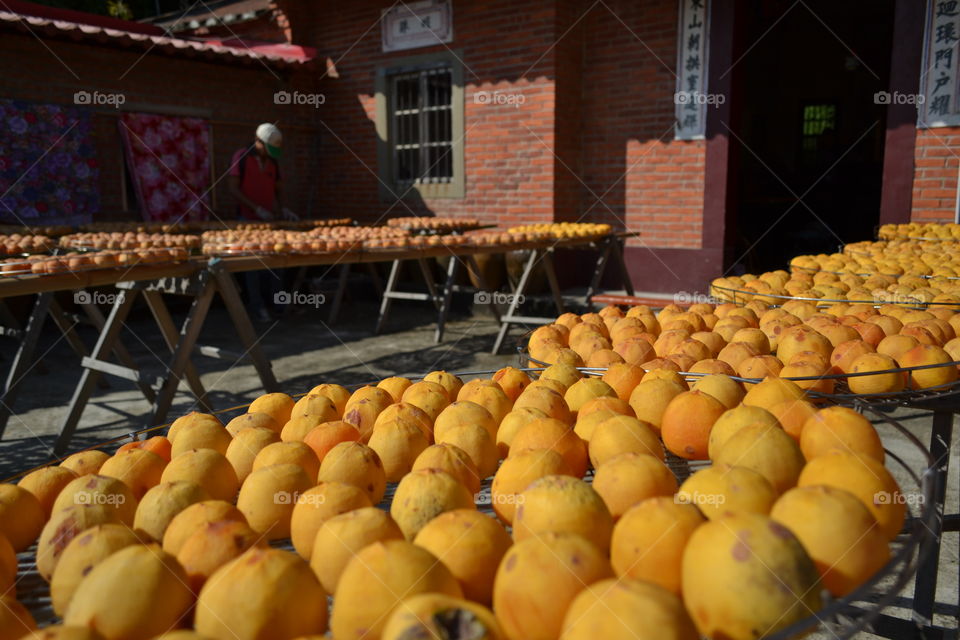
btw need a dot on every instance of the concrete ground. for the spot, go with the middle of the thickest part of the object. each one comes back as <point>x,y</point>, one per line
<point>306,351</point>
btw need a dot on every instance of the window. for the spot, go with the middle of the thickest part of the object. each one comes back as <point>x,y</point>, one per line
<point>819,123</point>
<point>420,126</point>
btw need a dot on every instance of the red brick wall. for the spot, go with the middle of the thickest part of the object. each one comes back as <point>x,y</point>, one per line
<point>236,99</point>
<point>596,124</point>
<point>593,139</point>
<point>937,161</point>
<point>652,183</point>
<point>508,150</point>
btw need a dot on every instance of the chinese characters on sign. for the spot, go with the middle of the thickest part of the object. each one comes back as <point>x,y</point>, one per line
<point>691,98</point>
<point>416,24</point>
<point>940,107</point>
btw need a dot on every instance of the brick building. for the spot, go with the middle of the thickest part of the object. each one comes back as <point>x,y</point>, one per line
<point>50,55</point>
<point>546,110</point>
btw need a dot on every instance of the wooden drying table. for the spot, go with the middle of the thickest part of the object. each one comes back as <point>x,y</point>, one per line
<point>44,287</point>
<point>609,246</point>
<point>439,292</point>
<point>201,278</point>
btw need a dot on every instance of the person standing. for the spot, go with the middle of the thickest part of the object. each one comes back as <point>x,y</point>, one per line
<point>255,183</point>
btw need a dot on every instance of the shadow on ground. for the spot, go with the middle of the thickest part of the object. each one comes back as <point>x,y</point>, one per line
<point>303,348</point>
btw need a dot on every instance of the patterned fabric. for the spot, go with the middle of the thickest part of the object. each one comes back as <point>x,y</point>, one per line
<point>169,160</point>
<point>48,167</point>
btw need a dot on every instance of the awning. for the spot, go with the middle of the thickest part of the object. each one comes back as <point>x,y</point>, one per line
<point>235,51</point>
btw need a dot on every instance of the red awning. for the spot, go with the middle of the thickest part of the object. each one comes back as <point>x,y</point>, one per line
<point>229,51</point>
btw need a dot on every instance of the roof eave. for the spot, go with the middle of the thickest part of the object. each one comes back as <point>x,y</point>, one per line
<point>174,47</point>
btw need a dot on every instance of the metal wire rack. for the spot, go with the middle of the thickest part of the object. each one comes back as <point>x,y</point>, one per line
<point>842,393</point>
<point>843,617</point>
<point>838,273</point>
<point>847,616</point>
<point>866,274</point>
<point>915,238</point>
<point>746,295</point>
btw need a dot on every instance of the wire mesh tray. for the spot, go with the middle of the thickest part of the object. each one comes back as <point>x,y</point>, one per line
<point>862,274</point>
<point>89,248</point>
<point>245,253</point>
<point>930,397</point>
<point>748,295</point>
<point>847,616</point>
<point>867,274</point>
<point>887,237</point>
<point>23,273</point>
<point>443,230</point>
<point>841,617</point>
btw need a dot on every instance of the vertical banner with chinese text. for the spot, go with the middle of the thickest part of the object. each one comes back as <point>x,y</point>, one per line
<point>691,98</point>
<point>940,106</point>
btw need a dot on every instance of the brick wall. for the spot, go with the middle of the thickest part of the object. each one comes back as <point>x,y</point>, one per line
<point>593,140</point>
<point>508,149</point>
<point>652,183</point>
<point>936,163</point>
<point>235,99</point>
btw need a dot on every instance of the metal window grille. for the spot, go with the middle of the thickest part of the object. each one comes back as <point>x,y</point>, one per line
<point>818,119</point>
<point>421,131</point>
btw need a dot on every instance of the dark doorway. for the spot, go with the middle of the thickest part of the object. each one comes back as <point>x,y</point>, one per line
<point>807,124</point>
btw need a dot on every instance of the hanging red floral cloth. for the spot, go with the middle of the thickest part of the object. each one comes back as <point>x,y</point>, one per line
<point>169,161</point>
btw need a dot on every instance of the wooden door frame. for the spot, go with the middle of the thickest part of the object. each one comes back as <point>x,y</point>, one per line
<point>896,199</point>
<point>719,195</point>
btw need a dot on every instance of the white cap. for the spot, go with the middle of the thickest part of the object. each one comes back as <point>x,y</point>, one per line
<point>270,135</point>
